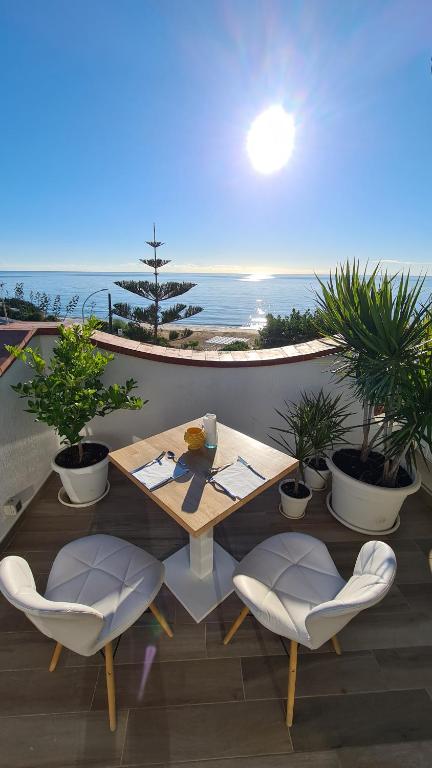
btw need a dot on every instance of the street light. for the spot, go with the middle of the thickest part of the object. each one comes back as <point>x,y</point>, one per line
<point>89,297</point>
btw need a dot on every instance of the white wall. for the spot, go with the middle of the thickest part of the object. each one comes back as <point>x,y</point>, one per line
<point>242,398</point>
<point>26,448</point>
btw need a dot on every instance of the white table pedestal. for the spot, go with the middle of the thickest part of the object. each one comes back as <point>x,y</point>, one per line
<point>200,575</point>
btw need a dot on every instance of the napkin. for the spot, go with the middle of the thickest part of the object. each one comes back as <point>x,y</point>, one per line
<point>238,480</point>
<point>158,472</point>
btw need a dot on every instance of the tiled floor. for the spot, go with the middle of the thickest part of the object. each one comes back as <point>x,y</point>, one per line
<point>205,705</point>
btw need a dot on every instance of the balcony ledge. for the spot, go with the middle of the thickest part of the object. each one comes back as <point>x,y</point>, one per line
<point>22,332</point>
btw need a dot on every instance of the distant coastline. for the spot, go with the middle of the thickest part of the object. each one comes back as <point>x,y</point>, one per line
<point>230,300</point>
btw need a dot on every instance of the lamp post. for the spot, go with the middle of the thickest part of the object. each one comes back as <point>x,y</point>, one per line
<point>110,327</point>
<point>89,297</point>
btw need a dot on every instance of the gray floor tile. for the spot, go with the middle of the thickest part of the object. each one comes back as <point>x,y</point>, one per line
<point>418,596</point>
<point>370,630</point>
<point>37,541</point>
<point>188,643</point>
<point>425,544</point>
<point>374,728</point>
<point>405,755</point>
<point>143,640</point>
<point>61,741</point>
<point>25,650</point>
<point>361,719</point>
<point>406,667</point>
<point>250,640</point>
<point>318,674</point>
<point>39,561</point>
<point>173,683</point>
<point>38,691</point>
<point>294,760</point>
<point>208,731</point>
<point>394,602</point>
<point>80,524</point>
<point>13,620</point>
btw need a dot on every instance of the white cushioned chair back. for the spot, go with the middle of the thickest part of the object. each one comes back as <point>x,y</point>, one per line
<point>374,573</point>
<point>73,625</point>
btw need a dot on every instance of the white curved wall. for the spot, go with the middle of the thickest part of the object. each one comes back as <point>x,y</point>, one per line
<point>242,397</point>
<point>26,448</point>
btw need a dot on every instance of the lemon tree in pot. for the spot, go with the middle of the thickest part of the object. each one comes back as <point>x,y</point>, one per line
<point>383,328</point>
<point>66,394</point>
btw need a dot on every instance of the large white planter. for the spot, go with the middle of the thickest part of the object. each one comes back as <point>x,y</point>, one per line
<point>316,480</point>
<point>291,507</point>
<point>84,484</point>
<point>366,508</point>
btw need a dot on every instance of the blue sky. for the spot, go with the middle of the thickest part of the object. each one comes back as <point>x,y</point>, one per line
<point>116,114</point>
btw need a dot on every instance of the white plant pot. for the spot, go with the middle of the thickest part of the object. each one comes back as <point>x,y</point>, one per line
<point>369,509</point>
<point>84,484</point>
<point>291,507</point>
<point>316,480</point>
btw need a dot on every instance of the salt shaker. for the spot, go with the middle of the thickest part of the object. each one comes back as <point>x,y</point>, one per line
<point>210,430</point>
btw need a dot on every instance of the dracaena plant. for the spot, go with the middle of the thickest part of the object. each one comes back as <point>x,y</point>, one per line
<point>327,415</point>
<point>67,392</point>
<point>311,427</point>
<point>383,332</point>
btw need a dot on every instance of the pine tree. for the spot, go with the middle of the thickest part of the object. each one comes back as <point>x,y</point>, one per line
<point>156,293</point>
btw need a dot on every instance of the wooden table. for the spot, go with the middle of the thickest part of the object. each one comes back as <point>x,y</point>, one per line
<point>200,574</point>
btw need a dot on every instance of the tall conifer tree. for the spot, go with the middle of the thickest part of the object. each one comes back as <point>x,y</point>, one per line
<point>155,292</point>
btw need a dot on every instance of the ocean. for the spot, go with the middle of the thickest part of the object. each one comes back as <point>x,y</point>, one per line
<point>228,300</point>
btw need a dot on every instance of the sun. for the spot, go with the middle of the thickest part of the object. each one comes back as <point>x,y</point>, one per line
<point>270,140</point>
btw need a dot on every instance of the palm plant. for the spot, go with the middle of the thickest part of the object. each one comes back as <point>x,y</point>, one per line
<point>311,426</point>
<point>155,292</point>
<point>383,332</point>
<point>294,437</point>
<point>327,416</point>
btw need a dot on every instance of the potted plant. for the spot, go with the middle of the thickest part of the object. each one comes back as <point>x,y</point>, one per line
<point>294,437</point>
<point>66,394</point>
<point>327,416</point>
<point>384,336</point>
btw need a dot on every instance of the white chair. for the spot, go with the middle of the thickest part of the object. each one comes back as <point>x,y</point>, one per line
<point>98,587</point>
<point>291,585</point>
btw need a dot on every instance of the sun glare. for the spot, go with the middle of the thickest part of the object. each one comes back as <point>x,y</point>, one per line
<point>270,140</point>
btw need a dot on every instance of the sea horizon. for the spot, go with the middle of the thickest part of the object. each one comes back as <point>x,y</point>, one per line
<point>228,299</point>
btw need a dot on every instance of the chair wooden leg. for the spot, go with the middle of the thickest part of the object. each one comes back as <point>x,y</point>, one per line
<point>55,657</point>
<point>292,674</point>
<point>238,622</point>
<point>109,671</point>
<point>336,645</point>
<point>161,619</point>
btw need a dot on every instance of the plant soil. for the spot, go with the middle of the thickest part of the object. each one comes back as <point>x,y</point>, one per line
<point>319,466</point>
<point>370,472</point>
<point>288,488</point>
<point>93,453</point>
